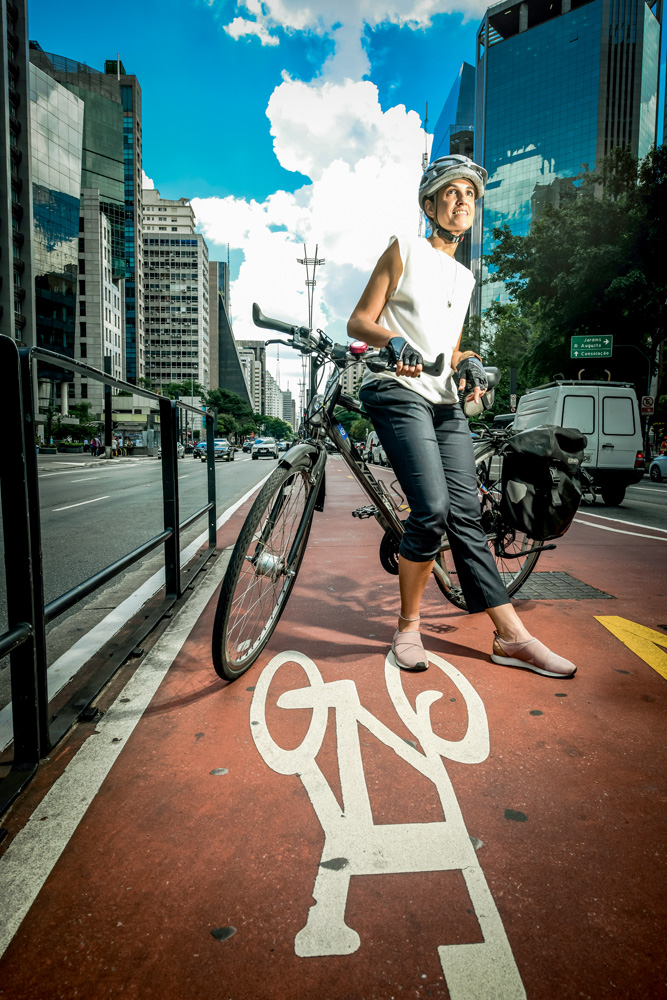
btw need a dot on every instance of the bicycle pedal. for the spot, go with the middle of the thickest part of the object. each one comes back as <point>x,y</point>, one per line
<point>362,512</point>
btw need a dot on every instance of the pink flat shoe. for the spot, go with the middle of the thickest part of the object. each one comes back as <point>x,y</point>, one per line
<point>532,655</point>
<point>408,651</point>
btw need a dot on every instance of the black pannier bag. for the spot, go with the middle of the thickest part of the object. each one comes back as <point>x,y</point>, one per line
<point>541,486</point>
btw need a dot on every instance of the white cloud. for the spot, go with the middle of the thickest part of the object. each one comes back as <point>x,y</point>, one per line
<point>241,26</point>
<point>364,166</point>
<point>146,182</point>
<point>326,15</point>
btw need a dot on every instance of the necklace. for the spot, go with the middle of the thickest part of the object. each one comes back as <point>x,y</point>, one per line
<point>440,254</point>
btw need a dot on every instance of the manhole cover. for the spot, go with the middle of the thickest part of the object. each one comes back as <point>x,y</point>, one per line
<point>558,587</point>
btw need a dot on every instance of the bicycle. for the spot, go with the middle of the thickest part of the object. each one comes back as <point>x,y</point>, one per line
<point>270,547</point>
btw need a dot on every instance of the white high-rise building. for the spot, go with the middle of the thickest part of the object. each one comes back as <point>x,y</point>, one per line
<point>100,304</point>
<point>176,276</point>
<point>274,398</point>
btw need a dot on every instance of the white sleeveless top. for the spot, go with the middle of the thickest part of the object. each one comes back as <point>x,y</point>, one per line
<point>420,311</point>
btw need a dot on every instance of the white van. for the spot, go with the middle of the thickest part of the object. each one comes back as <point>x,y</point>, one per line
<point>607,413</point>
<point>373,451</point>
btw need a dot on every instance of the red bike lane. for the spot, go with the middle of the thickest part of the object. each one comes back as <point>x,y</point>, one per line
<point>474,832</point>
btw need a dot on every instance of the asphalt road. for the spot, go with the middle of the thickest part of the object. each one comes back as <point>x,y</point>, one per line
<point>94,512</point>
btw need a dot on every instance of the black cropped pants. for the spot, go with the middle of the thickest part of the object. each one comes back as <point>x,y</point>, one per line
<point>430,450</point>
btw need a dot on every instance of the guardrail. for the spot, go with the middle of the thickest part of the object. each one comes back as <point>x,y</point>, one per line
<point>35,730</point>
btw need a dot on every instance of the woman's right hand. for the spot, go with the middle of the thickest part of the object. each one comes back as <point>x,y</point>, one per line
<point>407,358</point>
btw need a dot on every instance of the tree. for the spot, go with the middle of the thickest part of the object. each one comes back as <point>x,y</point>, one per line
<point>506,336</point>
<point>360,429</point>
<point>225,401</point>
<point>594,266</point>
<point>276,428</point>
<point>228,425</point>
<point>189,387</point>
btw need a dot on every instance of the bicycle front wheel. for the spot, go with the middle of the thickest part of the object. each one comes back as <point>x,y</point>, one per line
<point>513,551</point>
<point>262,570</point>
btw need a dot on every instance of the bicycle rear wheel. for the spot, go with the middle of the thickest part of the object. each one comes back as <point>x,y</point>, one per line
<point>262,570</point>
<point>512,549</point>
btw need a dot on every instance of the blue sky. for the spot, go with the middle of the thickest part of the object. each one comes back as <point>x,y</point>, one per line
<point>284,123</point>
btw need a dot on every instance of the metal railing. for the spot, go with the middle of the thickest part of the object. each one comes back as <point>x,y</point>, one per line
<point>35,730</point>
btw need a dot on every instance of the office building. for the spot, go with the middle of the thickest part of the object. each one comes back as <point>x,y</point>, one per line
<point>176,292</point>
<point>455,132</point>
<point>100,326</point>
<point>351,378</point>
<point>56,135</point>
<point>289,409</point>
<point>100,305</point>
<point>17,318</point>
<point>130,95</point>
<point>558,86</point>
<point>252,354</point>
<point>227,371</point>
<point>273,406</point>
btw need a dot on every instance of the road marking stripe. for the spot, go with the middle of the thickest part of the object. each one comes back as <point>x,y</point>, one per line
<point>646,489</point>
<point>34,852</point>
<point>89,479</point>
<point>81,504</point>
<point>619,520</point>
<point>619,531</point>
<point>65,667</point>
<point>643,641</point>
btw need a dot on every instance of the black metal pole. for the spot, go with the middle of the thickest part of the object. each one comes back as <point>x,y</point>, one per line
<point>211,424</point>
<point>108,429</point>
<point>172,548</point>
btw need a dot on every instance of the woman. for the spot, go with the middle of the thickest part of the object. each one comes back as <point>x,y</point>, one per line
<point>414,305</point>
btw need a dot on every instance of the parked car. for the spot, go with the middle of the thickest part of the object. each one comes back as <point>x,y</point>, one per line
<point>180,450</point>
<point>222,450</point>
<point>199,449</point>
<point>284,445</point>
<point>657,470</point>
<point>247,446</point>
<point>373,451</point>
<point>607,413</point>
<point>266,448</point>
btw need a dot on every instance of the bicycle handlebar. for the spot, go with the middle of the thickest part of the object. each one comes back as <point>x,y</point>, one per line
<point>305,339</point>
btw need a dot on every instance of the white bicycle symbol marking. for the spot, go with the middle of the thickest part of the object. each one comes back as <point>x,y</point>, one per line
<point>354,845</point>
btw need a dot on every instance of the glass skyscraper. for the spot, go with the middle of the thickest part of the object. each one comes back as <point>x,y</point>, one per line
<point>130,93</point>
<point>455,132</point>
<point>558,86</point>
<point>56,117</point>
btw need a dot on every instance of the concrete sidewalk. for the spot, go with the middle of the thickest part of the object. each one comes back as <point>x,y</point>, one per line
<point>327,827</point>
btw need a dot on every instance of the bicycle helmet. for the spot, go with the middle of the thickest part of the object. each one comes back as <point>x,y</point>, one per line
<point>440,172</point>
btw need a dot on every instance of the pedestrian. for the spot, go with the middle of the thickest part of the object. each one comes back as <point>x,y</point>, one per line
<point>414,305</point>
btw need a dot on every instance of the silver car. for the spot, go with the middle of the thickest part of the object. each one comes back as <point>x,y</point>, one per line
<point>266,448</point>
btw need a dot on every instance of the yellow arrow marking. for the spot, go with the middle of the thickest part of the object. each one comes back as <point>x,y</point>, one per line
<point>641,640</point>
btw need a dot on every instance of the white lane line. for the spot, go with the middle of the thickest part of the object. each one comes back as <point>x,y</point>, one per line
<point>619,531</point>
<point>89,479</point>
<point>184,477</point>
<point>81,504</point>
<point>619,520</point>
<point>32,855</point>
<point>648,489</point>
<point>65,667</point>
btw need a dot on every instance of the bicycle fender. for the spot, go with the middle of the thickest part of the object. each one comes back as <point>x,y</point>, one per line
<point>301,450</point>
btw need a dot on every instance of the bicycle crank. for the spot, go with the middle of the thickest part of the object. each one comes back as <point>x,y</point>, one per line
<point>389,553</point>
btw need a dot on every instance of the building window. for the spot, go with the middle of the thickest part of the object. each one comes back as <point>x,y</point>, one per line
<point>84,350</point>
<point>82,308</point>
<point>82,266</point>
<point>82,288</point>
<point>84,390</point>
<point>81,224</point>
<point>82,329</point>
<point>82,245</point>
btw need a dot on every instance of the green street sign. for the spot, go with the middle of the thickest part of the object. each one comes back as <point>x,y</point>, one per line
<point>591,347</point>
